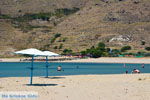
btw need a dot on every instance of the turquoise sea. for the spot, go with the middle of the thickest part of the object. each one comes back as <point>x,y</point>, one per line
<point>22,69</point>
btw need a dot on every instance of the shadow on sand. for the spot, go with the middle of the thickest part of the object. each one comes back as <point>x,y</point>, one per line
<point>54,77</point>
<point>41,84</point>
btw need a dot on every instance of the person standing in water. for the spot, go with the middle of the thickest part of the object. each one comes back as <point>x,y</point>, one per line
<point>124,65</point>
<point>59,68</point>
<point>136,71</point>
<point>143,65</point>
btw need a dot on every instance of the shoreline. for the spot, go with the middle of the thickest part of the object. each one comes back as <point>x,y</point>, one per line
<point>122,74</point>
<point>78,75</point>
<point>112,60</point>
<point>91,60</point>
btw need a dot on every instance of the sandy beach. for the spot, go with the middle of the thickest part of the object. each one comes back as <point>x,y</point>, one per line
<point>93,60</point>
<point>113,60</point>
<point>83,87</point>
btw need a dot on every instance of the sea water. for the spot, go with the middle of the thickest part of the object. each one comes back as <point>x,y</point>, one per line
<point>22,69</point>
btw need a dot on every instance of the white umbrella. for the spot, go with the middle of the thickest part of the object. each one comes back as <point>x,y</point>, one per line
<point>48,54</point>
<point>33,52</point>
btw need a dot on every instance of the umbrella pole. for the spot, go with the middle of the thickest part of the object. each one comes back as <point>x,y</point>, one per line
<point>31,74</point>
<point>46,66</point>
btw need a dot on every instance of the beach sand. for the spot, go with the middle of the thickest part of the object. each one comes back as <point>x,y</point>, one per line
<point>93,60</point>
<point>113,60</point>
<point>83,87</point>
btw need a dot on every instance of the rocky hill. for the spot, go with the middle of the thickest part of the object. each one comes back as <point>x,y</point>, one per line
<point>73,24</point>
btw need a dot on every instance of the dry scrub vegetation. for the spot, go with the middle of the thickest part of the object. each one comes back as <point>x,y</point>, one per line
<point>30,23</point>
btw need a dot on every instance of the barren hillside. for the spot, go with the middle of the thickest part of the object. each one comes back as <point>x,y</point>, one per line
<point>80,23</point>
<point>21,7</point>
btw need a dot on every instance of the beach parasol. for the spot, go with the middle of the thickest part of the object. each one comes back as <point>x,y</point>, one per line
<point>33,52</point>
<point>48,54</point>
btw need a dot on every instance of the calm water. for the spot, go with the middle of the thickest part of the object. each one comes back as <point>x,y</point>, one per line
<point>14,69</point>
